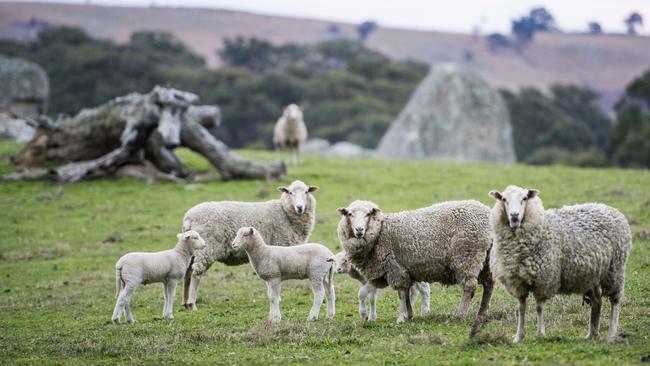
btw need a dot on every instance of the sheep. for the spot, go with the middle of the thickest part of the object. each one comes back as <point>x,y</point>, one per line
<point>168,267</point>
<point>580,249</point>
<point>285,221</point>
<point>342,265</point>
<point>447,243</point>
<point>290,132</point>
<point>275,264</point>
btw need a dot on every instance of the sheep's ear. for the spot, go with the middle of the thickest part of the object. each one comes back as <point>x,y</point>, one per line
<point>374,211</point>
<point>329,259</point>
<point>180,236</point>
<point>312,189</point>
<point>283,190</point>
<point>497,195</point>
<point>250,232</point>
<point>342,211</point>
<point>532,193</point>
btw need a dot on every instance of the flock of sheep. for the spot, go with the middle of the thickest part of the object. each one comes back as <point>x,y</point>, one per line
<point>581,249</point>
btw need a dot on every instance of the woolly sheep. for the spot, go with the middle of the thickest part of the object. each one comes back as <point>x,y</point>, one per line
<point>285,221</point>
<point>275,264</point>
<point>290,132</point>
<point>167,267</point>
<point>447,243</point>
<point>579,249</point>
<point>342,265</point>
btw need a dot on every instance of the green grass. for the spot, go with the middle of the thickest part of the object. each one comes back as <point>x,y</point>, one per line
<point>57,254</point>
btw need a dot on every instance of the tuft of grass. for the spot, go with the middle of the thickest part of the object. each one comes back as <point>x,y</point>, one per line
<point>59,246</point>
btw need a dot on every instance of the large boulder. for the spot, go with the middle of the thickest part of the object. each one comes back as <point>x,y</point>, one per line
<point>24,87</point>
<point>452,115</point>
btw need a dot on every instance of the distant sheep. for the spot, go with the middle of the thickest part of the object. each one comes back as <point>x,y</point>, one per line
<point>290,132</point>
<point>342,265</point>
<point>275,264</point>
<point>447,243</point>
<point>579,249</point>
<point>285,221</point>
<point>168,267</point>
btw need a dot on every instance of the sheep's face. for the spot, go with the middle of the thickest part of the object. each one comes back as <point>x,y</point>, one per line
<point>243,237</point>
<point>298,196</point>
<point>514,200</point>
<point>358,217</point>
<point>193,238</point>
<point>293,111</point>
<point>341,262</point>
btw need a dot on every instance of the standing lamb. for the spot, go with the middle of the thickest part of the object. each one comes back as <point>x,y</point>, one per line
<point>290,132</point>
<point>285,221</point>
<point>276,264</point>
<point>579,249</point>
<point>448,243</point>
<point>342,265</point>
<point>167,267</point>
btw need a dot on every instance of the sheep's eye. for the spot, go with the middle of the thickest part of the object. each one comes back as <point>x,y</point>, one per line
<point>349,214</point>
<point>504,199</point>
<point>525,198</point>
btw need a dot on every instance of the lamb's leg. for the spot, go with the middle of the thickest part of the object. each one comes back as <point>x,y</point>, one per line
<point>330,295</point>
<point>319,292</point>
<point>405,308</point>
<point>363,293</point>
<point>413,294</point>
<point>469,287</point>
<point>425,292</point>
<point>186,285</point>
<point>194,287</point>
<point>117,312</point>
<point>541,328</point>
<point>595,297</point>
<point>521,320</point>
<point>372,295</point>
<point>613,326</point>
<point>170,291</point>
<point>274,286</point>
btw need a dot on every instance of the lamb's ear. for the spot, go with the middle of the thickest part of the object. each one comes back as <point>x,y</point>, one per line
<point>283,190</point>
<point>342,211</point>
<point>187,236</point>
<point>250,232</point>
<point>312,189</point>
<point>496,194</point>
<point>329,259</point>
<point>180,236</point>
<point>532,193</point>
<point>375,211</point>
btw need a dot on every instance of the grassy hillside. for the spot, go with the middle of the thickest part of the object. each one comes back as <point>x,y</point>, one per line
<point>605,63</point>
<point>59,248</point>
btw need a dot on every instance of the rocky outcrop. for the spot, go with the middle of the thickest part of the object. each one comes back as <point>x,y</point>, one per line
<point>452,115</point>
<point>24,87</point>
<point>341,149</point>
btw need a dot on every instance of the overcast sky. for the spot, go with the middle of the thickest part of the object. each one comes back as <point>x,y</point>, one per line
<point>455,15</point>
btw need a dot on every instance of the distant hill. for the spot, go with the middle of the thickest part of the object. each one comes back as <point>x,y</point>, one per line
<point>604,62</point>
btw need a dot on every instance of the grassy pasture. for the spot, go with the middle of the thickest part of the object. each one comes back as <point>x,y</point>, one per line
<point>58,249</point>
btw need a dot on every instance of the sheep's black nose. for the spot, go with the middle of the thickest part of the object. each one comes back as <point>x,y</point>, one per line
<point>299,208</point>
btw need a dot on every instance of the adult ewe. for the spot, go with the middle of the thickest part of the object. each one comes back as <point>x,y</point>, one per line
<point>290,132</point>
<point>579,249</point>
<point>285,221</point>
<point>447,243</point>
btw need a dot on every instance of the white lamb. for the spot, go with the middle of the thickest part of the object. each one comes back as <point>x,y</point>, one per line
<point>275,264</point>
<point>342,265</point>
<point>579,249</point>
<point>290,132</point>
<point>168,267</point>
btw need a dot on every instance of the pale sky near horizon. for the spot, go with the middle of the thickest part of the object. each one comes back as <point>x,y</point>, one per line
<point>456,16</point>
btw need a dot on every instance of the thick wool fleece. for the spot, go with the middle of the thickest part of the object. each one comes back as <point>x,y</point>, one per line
<point>218,222</point>
<point>567,250</point>
<point>446,243</point>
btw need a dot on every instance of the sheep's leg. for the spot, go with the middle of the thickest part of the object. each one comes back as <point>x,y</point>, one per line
<point>413,294</point>
<point>319,292</point>
<point>127,313</point>
<point>274,286</point>
<point>186,284</point>
<point>469,287</point>
<point>122,305</point>
<point>170,293</point>
<point>405,308</point>
<point>521,320</point>
<point>372,294</point>
<point>425,292</point>
<point>541,328</point>
<point>363,293</point>
<point>330,295</point>
<point>613,326</point>
<point>595,297</point>
<point>117,312</point>
<point>488,286</point>
<point>194,287</point>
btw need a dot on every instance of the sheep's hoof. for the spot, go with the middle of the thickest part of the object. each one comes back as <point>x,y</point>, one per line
<point>130,321</point>
<point>330,316</point>
<point>592,337</point>
<point>169,317</point>
<point>372,317</point>
<point>312,318</point>
<point>424,312</point>
<point>517,338</point>
<point>400,320</point>
<point>191,306</point>
<point>274,320</point>
<point>116,321</point>
<point>611,339</point>
<point>364,316</point>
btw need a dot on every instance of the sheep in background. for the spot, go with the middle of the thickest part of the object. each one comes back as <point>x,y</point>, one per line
<point>447,243</point>
<point>275,264</point>
<point>167,267</point>
<point>290,132</point>
<point>580,249</point>
<point>342,265</point>
<point>285,221</point>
